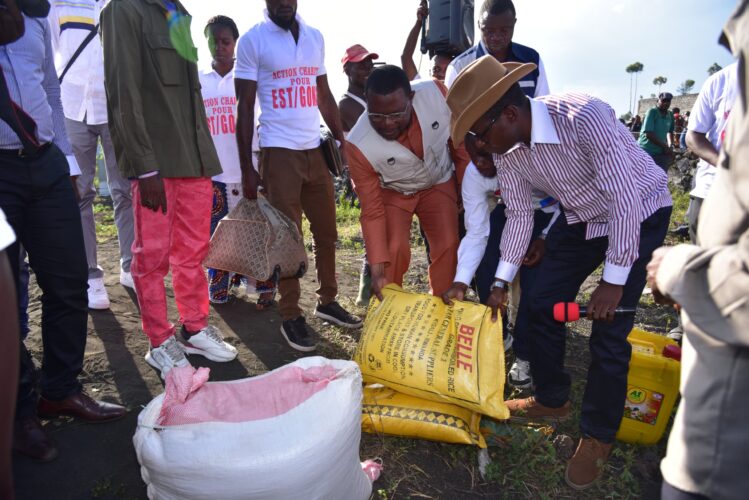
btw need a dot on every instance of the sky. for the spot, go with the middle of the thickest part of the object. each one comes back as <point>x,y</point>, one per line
<point>585,44</point>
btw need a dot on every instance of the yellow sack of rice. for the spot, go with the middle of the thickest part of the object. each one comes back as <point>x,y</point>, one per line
<point>385,411</point>
<point>417,345</point>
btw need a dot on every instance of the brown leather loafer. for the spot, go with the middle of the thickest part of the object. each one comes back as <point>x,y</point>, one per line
<point>586,465</point>
<point>528,409</point>
<point>30,439</point>
<point>81,406</point>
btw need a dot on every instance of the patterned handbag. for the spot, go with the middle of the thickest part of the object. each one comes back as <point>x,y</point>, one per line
<point>258,241</point>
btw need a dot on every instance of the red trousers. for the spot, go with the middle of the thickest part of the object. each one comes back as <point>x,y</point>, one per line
<point>177,240</point>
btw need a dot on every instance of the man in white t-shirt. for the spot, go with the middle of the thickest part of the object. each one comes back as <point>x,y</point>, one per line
<point>219,99</point>
<point>281,60</point>
<point>707,126</point>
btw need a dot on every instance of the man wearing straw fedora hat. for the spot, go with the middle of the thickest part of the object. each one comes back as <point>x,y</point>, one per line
<point>615,210</point>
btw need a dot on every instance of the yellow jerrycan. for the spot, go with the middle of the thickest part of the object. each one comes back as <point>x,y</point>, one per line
<point>652,387</point>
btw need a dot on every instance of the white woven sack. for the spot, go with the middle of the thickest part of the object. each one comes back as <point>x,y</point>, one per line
<point>309,452</point>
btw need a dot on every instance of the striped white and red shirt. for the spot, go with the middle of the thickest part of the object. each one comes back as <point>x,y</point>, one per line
<point>584,157</point>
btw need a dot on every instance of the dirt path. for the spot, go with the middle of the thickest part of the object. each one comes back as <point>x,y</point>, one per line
<point>98,461</point>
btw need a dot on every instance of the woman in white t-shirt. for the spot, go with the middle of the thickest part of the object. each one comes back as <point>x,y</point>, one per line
<point>219,98</point>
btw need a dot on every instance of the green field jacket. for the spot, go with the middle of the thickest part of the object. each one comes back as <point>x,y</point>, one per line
<point>156,114</point>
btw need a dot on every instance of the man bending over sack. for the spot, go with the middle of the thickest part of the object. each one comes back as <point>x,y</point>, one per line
<point>479,249</point>
<point>616,208</point>
<point>402,163</point>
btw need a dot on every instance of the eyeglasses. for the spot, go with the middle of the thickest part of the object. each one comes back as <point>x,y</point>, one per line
<point>380,118</point>
<point>482,136</point>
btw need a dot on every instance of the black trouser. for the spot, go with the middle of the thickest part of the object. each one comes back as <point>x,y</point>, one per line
<point>568,261</point>
<point>488,268</point>
<point>37,197</point>
<point>662,160</point>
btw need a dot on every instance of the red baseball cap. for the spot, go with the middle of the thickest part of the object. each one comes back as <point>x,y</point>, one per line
<point>357,53</point>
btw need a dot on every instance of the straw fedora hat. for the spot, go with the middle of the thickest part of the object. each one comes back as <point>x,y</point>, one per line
<point>477,88</point>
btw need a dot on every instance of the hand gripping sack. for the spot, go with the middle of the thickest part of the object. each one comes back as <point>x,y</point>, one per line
<point>292,433</point>
<point>385,411</point>
<point>415,344</point>
<point>258,241</point>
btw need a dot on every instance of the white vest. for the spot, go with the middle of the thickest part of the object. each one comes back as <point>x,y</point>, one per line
<point>399,168</point>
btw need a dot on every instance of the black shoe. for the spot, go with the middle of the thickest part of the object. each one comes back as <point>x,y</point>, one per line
<point>334,313</point>
<point>298,334</point>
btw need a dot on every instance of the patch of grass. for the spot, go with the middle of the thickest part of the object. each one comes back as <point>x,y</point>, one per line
<point>104,217</point>
<point>681,203</point>
<point>527,467</point>
<point>347,223</point>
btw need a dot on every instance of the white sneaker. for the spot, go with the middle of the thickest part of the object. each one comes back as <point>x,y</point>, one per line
<point>168,355</point>
<point>126,279</point>
<point>520,374</point>
<point>97,294</point>
<point>210,343</point>
<point>508,342</point>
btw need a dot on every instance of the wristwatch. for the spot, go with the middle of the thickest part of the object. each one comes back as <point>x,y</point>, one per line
<point>500,284</point>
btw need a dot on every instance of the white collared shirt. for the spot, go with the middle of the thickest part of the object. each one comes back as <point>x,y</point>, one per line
<point>286,74</point>
<point>480,196</point>
<point>584,157</point>
<point>83,95</point>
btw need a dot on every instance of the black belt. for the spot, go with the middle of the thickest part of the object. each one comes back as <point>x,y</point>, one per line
<point>24,153</point>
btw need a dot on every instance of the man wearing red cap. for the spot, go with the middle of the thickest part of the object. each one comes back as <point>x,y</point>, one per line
<point>357,64</point>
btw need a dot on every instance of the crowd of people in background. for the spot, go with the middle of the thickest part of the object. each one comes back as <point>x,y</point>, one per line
<point>514,188</point>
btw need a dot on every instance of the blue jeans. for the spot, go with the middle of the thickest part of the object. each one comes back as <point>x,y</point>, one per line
<point>569,260</point>
<point>488,267</point>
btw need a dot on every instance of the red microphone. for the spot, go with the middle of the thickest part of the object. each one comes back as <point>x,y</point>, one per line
<point>569,311</point>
